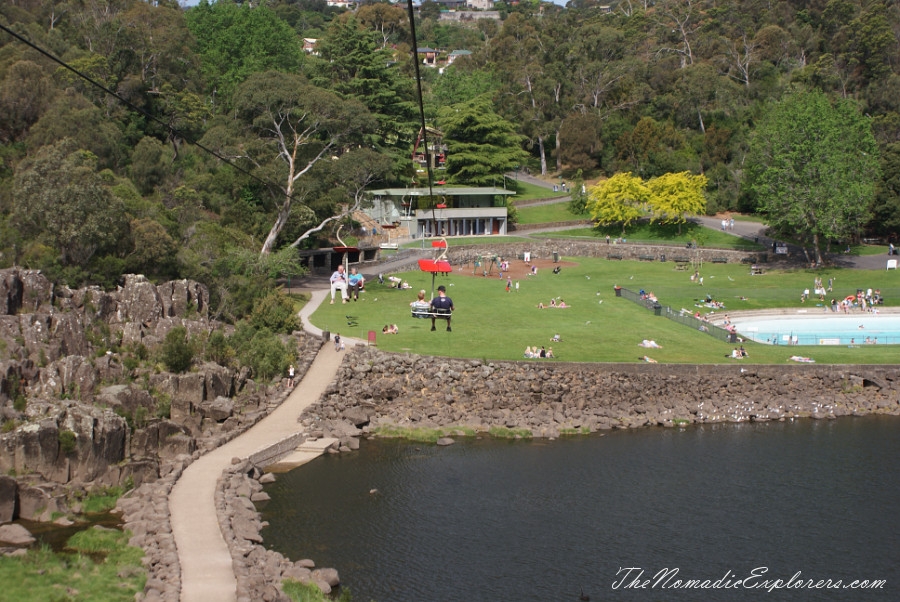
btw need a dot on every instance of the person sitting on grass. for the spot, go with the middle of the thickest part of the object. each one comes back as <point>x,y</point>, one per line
<point>390,329</point>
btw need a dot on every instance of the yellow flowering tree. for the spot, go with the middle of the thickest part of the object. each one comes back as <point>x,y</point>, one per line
<point>675,196</point>
<point>621,199</point>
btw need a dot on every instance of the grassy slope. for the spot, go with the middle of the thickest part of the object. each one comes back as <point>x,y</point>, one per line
<point>491,324</point>
<point>43,575</point>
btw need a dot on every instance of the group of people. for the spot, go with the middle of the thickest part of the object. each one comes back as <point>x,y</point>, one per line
<point>535,352</point>
<point>553,303</point>
<point>738,353</point>
<point>867,301</point>
<point>390,329</point>
<point>439,307</point>
<point>350,285</point>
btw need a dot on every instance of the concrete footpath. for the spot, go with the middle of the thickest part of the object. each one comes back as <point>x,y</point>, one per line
<point>206,569</point>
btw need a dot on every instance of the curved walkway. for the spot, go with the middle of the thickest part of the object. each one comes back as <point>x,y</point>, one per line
<point>206,569</point>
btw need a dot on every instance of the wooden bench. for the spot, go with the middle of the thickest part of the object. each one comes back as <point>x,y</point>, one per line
<point>613,256</point>
<point>681,265</point>
<point>748,259</point>
<point>720,260</point>
<point>681,259</point>
<point>755,270</point>
<point>647,258</point>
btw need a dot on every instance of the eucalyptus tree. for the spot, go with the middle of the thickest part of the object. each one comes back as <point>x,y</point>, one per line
<point>235,40</point>
<point>62,201</point>
<point>813,168</point>
<point>295,125</point>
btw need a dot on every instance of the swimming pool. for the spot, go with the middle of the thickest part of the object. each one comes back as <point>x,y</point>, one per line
<point>829,329</point>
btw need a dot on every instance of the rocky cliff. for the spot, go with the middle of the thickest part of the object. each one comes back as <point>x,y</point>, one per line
<point>79,412</point>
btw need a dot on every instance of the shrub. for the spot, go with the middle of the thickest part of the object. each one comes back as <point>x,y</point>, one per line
<point>177,353</point>
<point>261,350</point>
<point>218,349</point>
<point>67,441</point>
<point>275,312</point>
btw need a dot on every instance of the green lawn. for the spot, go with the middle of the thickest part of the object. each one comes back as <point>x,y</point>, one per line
<point>662,234</point>
<point>530,192</point>
<point>550,213</point>
<point>492,324</point>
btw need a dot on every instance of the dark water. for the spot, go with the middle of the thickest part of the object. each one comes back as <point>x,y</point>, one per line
<point>537,521</point>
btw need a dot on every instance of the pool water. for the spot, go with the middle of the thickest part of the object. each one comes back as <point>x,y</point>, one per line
<point>822,329</point>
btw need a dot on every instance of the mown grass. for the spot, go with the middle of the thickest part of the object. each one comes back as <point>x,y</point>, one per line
<point>530,192</point>
<point>550,213</point>
<point>41,575</point>
<point>599,327</point>
<point>669,234</point>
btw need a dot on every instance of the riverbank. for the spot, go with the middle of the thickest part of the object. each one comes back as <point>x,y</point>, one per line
<point>377,389</point>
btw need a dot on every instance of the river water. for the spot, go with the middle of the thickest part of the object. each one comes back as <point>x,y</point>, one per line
<point>540,520</point>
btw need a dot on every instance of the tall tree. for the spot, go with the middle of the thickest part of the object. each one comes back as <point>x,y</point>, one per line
<point>298,124</point>
<point>813,166</point>
<point>235,40</point>
<point>354,67</point>
<point>481,145</point>
<point>62,201</point>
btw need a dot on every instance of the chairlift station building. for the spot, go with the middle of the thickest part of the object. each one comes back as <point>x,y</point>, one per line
<point>443,211</point>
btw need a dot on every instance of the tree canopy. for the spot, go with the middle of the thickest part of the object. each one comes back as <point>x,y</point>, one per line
<point>814,168</point>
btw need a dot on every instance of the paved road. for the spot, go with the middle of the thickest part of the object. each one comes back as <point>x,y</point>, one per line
<point>206,569</point>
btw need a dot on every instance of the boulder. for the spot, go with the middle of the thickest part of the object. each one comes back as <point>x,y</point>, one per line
<point>179,297</point>
<point>11,291</point>
<point>138,300</point>
<point>16,535</point>
<point>8,491</point>
<point>219,409</point>
<point>126,397</point>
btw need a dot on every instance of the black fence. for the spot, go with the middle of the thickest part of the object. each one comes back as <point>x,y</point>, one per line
<point>682,317</point>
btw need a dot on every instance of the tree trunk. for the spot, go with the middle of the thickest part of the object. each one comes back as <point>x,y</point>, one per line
<point>283,212</point>
<point>543,153</point>
<point>558,145</point>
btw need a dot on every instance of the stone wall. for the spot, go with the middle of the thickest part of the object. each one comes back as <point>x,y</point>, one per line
<point>377,388</point>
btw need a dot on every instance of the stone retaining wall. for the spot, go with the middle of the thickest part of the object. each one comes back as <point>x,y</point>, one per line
<point>375,388</point>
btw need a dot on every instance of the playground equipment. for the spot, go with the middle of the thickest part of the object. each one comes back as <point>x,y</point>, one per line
<point>486,263</point>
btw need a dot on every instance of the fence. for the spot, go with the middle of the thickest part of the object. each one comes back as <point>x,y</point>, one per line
<point>685,318</point>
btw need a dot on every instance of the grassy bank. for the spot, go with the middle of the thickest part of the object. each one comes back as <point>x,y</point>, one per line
<point>100,567</point>
<point>599,327</point>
